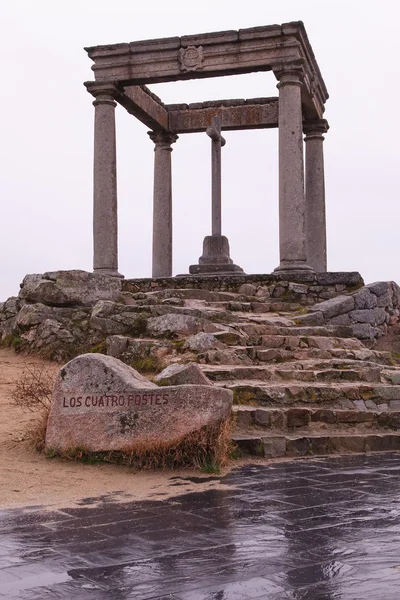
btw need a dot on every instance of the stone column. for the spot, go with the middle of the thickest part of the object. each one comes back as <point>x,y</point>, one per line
<point>162,203</point>
<point>292,239</point>
<point>315,194</point>
<point>105,213</point>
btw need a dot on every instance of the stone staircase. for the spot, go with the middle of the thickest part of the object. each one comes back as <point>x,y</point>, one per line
<point>298,389</point>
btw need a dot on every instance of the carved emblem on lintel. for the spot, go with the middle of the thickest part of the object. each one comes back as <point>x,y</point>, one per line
<point>191,58</point>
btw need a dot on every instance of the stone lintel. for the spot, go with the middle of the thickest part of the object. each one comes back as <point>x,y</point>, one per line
<point>213,55</point>
<point>145,106</point>
<point>259,113</point>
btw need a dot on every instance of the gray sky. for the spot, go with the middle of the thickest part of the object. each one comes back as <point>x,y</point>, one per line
<point>47,137</point>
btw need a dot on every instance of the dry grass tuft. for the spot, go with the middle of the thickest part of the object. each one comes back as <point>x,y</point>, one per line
<point>35,434</point>
<point>32,392</point>
<point>34,389</point>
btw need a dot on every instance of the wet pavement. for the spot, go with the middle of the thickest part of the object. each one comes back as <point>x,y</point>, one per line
<point>303,530</point>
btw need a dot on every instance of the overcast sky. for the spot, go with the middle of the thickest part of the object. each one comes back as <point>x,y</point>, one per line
<point>47,137</point>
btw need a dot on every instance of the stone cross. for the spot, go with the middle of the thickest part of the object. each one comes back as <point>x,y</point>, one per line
<point>214,132</point>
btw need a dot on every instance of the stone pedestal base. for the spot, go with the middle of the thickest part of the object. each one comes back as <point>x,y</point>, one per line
<point>215,258</point>
<point>109,272</point>
<point>293,266</point>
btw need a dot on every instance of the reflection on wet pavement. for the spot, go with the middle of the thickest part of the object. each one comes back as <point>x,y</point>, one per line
<point>325,529</point>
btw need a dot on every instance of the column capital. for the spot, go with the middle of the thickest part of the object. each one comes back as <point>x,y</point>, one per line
<point>163,139</point>
<point>103,92</point>
<point>315,129</point>
<point>289,75</point>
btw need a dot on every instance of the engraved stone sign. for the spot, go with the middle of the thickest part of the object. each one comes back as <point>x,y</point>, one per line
<point>103,404</point>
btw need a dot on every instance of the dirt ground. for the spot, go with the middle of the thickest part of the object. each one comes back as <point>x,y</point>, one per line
<point>28,478</point>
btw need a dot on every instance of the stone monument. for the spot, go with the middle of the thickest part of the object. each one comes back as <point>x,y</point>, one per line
<point>122,72</point>
<point>216,254</point>
<point>102,404</point>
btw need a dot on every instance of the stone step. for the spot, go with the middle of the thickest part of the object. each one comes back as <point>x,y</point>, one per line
<point>273,305</point>
<point>277,373</point>
<point>203,312</point>
<point>290,342</point>
<point>193,294</point>
<point>333,395</point>
<point>274,446</point>
<point>255,332</point>
<point>307,418</point>
<point>279,355</point>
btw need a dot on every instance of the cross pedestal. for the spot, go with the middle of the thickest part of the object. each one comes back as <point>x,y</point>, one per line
<point>216,254</point>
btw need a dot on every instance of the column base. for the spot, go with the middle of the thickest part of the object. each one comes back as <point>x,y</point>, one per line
<point>109,273</point>
<point>293,265</point>
<point>215,258</point>
<point>222,269</point>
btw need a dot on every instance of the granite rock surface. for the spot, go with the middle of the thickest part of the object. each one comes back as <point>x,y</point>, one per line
<point>103,404</point>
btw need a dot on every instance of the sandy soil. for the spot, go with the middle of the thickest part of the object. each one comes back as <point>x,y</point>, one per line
<point>28,478</point>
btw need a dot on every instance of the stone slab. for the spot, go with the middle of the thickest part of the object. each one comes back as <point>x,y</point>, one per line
<point>102,404</point>
<point>70,288</point>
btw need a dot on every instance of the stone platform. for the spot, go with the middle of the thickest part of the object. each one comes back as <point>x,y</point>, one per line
<point>304,354</point>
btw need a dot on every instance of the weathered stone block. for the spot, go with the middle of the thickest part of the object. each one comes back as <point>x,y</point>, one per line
<point>70,288</point>
<point>11,307</point>
<point>102,404</point>
<point>380,443</point>
<point>174,325</point>
<point>277,419</point>
<point>244,418</point>
<point>363,331</point>
<point>379,288</point>
<point>274,447</point>
<point>347,278</point>
<point>298,417</point>
<point>324,416</point>
<point>341,320</point>
<point>112,318</point>
<point>381,316</point>
<point>297,288</point>
<point>249,444</point>
<point>335,306</point>
<point>262,417</point>
<point>298,447</point>
<point>182,374</point>
<point>389,419</point>
<point>363,316</point>
<point>384,301</point>
<point>364,299</point>
<point>342,443</point>
<point>32,314</point>
<point>230,338</point>
<point>201,342</point>
<point>319,445</point>
<point>312,318</point>
<point>116,345</point>
<point>247,289</point>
